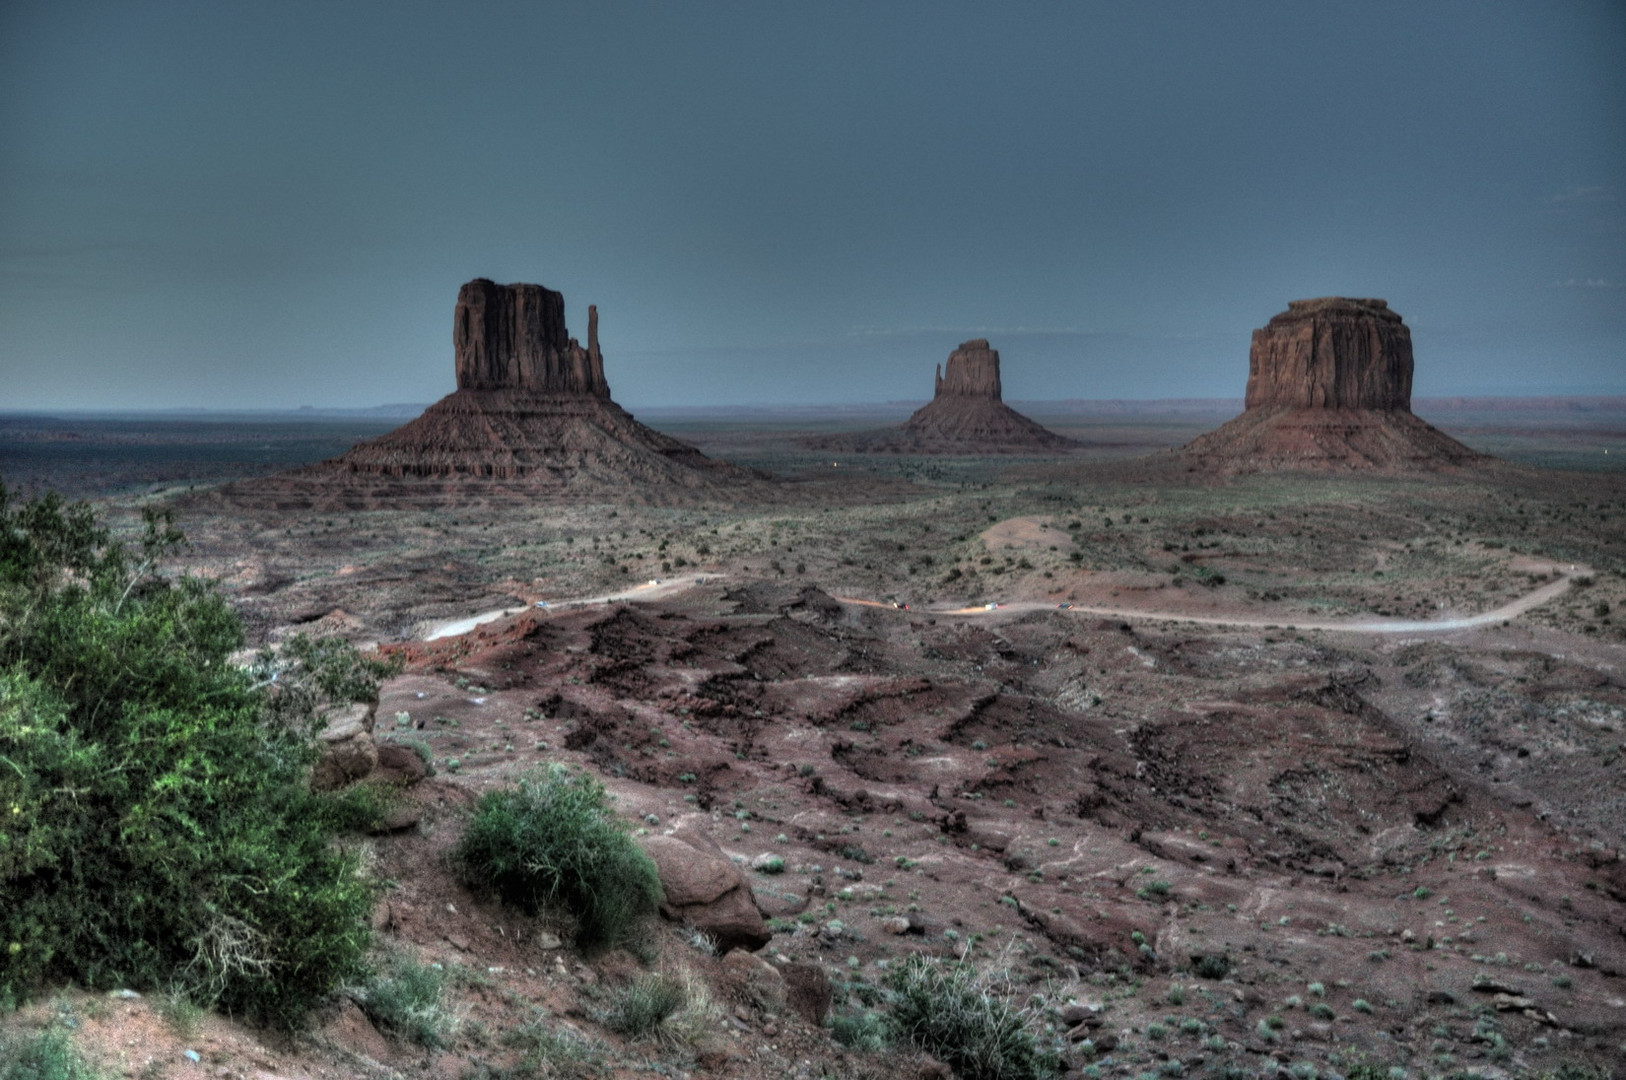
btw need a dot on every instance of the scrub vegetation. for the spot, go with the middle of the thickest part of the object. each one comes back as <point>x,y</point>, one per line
<point>156,829</point>
<point>552,842</point>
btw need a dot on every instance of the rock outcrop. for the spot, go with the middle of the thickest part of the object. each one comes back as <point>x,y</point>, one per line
<point>513,337</point>
<point>965,416</point>
<point>704,889</point>
<point>532,413</point>
<point>1331,353</point>
<point>1329,387</point>
<point>973,372</point>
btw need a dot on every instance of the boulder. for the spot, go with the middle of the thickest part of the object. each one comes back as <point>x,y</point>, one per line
<point>750,979</point>
<point>398,818</point>
<point>807,991</point>
<point>348,751</point>
<point>705,889</point>
<point>399,765</point>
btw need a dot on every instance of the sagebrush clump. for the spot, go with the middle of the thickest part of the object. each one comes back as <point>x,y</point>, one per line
<point>404,996</point>
<point>642,1006</point>
<point>156,827</point>
<point>45,1055</point>
<point>551,841</point>
<point>963,1017</point>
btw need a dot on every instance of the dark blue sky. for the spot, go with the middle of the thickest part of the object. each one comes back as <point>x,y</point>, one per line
<point>273,204</point>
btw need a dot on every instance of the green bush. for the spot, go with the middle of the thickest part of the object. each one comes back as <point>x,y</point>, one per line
<point>156,828</point>
<point>403,997</point>
<point>551,841</point>
<point>309,673</point>
<point>950,1011</point>
<point>45,1055</point>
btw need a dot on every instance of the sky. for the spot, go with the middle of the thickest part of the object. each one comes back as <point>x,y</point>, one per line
<point>268,205</point>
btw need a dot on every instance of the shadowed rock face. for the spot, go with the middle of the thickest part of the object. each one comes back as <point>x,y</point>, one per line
<point>1331,353</point>
<point>973,371</point>
<point>513,337</point>
<point>1329,387</point>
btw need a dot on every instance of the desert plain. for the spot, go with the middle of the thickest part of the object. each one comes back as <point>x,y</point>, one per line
<point>1287,771</point>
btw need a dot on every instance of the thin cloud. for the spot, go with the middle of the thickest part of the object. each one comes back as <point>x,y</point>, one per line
<point>1589,283</point>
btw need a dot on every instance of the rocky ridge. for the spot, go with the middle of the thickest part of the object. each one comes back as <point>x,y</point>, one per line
<point>1329,387</point>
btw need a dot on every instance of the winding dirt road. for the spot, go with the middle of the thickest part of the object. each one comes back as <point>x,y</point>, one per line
<point>668,586</point>
<point>1358,626</point>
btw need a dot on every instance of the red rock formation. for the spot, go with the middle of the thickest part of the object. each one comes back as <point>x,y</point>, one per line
<point>966,416</point>
<point>1329,387</point>
<point>973,371</point>
<point>531,406</point>
<point>513,337</point>
<point>1331,353</point>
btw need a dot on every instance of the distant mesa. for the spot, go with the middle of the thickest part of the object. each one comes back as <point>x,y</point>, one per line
<point>531,406</point>
<point>965,416</point>
<point>1329,387</point>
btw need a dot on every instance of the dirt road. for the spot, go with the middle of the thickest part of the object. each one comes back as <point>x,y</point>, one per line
<point>668,586</point>
<point>1359,626</point>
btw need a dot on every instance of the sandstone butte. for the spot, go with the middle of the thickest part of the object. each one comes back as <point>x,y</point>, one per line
<point>1329,388</point>
<point>967,415</point>
<point>532,412</point>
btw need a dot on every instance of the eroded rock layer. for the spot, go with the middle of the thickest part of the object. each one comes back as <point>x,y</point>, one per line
<point>506,434</point>
<point>1329,387</point>
<point>965,416</point>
